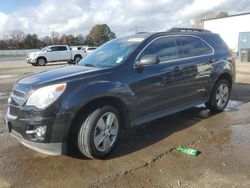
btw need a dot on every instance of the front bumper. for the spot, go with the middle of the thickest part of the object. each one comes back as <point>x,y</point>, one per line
<point>30,61</point>
<point>54,138</point>
<point>46,148</point>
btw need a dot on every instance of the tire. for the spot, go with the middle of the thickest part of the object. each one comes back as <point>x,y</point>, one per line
<point>70,62</point>
<point>41,61</point>
<point>97,135</point>
<point>77,59</point>
<point>220,96</point>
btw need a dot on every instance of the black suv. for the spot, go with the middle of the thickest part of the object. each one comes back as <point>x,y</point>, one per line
<point>125,82</point>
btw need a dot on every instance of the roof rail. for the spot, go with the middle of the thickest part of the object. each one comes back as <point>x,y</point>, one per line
<point>186,29</point>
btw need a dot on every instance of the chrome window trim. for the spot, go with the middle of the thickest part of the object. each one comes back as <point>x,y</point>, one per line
<point>163,62</point>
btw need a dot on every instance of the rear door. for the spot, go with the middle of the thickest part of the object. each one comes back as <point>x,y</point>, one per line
<point>63,53</point>
<point>196,57</point>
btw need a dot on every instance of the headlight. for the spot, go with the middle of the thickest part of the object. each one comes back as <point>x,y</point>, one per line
<point>43,97</point>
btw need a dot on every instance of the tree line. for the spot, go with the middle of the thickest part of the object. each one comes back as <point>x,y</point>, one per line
<point>17,39</point>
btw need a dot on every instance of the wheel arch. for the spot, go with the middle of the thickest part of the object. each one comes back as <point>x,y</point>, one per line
<point>77,55</point>
<point>227,76</point>
<point>122,108</point>
<point>42,57</point>
<point>224,75</point>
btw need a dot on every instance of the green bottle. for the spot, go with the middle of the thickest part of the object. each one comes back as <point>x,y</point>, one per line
<point>188,151</point>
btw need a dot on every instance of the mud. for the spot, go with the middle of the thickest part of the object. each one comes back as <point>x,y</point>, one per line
<point>145,156</point>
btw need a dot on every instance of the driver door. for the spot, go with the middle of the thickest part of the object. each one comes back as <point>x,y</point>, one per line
<point>52,54</point>
<point>159,86</point>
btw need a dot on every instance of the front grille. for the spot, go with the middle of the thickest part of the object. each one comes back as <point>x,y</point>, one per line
<point>14,110</point>
<point>18,94</point>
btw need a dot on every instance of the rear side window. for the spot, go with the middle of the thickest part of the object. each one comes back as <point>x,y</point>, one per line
<point>165,48</point>
<point>91,48</point>
<point>61,48</point>
<point>218,44</point>
<point>193,46</point>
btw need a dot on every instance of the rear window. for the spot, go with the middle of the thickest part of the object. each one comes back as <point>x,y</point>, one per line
<point>61,48</point>
<point>193,46</point>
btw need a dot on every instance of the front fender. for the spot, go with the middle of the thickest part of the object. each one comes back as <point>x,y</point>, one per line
<point>78,95</point>
<point>81,95</point>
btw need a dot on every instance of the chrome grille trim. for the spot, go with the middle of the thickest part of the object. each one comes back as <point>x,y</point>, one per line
<point>18,94</point>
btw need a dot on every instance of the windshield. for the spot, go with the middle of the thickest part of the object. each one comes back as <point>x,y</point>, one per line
<point>44,49</point>
<point>111,53</point>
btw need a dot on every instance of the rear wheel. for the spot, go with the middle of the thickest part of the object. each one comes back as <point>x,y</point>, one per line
<point>77,58</point>
<point>41,61</point>
<point>220,96</point>
<point>99,132</point>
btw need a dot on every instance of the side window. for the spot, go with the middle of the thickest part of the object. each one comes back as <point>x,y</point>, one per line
<point>165,48</point>
<point>52,49</point>
<point>193,46</point>
<point>61,48</point>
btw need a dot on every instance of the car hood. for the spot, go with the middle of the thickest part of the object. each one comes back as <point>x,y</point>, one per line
<point>32,54</point>
<point>63,74</point>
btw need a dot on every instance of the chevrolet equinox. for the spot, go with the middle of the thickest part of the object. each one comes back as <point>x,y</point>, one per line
<point>125,82</point>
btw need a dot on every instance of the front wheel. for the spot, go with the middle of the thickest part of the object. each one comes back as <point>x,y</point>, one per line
<point>41,61</point>
<point>99,132</point>
<point>219,96</point>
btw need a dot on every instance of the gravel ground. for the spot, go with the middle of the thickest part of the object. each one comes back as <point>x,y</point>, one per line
<point>145,156</point>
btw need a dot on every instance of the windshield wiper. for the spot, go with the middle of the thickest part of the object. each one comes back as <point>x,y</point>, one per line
<point>89,65</point>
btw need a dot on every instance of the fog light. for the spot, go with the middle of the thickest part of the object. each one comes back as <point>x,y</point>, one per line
<point>39,132</point>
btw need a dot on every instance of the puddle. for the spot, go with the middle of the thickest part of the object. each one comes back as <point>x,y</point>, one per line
<point>3,96</point>
<point>231,105</point>
<point>8,76</point>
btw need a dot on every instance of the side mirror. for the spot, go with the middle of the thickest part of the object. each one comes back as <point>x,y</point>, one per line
<point>148,60</point>
<point>49,50</point>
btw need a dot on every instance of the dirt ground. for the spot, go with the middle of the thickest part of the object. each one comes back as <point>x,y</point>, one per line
<point>145,156</point>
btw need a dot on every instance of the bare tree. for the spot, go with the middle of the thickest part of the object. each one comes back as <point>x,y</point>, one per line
<point>47,40</point>
<point>55,37</point>
<point>198,19</point>
<point>208,15</point>
<point>16,38</point>
<point>79,39</point>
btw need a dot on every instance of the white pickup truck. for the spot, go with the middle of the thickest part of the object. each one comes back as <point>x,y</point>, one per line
<point>55,53</point>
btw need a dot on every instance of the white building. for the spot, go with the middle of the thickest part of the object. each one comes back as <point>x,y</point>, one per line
<point>229,28</point>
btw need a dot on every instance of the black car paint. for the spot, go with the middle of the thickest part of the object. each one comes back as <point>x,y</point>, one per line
<point>145,92</point>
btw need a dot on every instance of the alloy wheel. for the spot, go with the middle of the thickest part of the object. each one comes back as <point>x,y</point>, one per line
<point>222,95</point>
<point>106,131</point>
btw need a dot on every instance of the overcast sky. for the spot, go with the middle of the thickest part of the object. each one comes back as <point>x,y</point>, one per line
<point>123,16</point>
